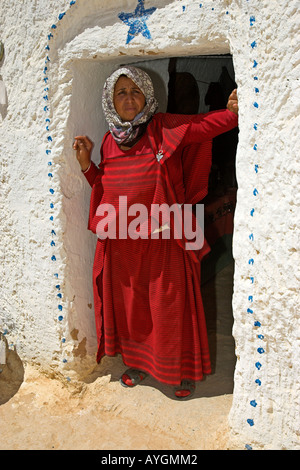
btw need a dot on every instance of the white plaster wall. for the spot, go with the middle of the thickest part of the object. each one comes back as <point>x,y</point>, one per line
<point>87,43</point>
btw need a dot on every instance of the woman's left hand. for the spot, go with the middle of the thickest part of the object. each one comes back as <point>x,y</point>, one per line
<point>232,103</point>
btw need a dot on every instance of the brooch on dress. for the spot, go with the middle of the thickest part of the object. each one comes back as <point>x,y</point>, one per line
<point>159,155</point>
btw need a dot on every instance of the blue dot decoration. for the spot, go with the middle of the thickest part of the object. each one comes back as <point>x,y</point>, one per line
<point>49,140</point>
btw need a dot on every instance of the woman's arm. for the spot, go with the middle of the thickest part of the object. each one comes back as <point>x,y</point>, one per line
<point>207,126</point>
<point>91,173</point>
<point>84,146</point>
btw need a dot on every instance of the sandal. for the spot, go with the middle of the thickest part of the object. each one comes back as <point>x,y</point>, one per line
<point>132,377</point>
<point>185,390</point>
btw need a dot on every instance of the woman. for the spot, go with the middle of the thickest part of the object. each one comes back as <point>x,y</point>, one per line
<point>147,297</point>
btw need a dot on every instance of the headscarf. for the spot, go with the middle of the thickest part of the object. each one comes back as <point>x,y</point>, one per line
<point>127,131</point>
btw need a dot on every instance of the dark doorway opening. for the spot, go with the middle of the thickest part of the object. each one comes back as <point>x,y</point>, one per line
<point>198,85</point>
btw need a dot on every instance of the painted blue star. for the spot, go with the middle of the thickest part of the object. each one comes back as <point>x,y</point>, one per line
<point>137,21</point>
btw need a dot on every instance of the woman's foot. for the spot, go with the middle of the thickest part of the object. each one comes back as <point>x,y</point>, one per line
<point>185,390</point>
<point>132,377</point>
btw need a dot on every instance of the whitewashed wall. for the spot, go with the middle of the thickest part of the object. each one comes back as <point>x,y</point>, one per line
<point>57,56</point>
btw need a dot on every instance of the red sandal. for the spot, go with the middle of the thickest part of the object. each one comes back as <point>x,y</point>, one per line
<point>185,390</point>
<point>132,377</point>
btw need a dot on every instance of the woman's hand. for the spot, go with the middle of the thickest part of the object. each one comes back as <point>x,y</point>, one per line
<point>83,146</point>
<point>232,103</point>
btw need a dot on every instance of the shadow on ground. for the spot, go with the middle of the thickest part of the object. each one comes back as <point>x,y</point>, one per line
<point>11,374</point>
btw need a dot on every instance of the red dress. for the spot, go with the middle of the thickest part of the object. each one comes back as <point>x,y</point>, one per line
<point>147,297</point>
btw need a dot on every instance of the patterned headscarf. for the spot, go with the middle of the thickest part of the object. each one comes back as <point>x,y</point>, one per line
<point>126,131</point>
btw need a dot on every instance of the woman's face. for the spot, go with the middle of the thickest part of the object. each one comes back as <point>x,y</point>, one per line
<point>128,99</point>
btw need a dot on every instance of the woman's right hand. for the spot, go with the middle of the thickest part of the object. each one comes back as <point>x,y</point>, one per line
<point>83,146</point>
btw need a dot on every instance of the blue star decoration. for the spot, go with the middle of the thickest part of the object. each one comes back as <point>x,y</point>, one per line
<point>137,21</point>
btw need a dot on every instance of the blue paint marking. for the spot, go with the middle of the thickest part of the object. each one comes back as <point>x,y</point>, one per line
<point>137,21</point>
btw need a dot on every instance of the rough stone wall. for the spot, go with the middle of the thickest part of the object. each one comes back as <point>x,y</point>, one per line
<point>57,56</point>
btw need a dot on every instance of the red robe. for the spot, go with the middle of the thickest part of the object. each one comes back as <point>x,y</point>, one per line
<point>147,297</point>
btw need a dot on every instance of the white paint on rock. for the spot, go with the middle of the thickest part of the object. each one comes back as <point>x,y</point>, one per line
<point>87,44</point>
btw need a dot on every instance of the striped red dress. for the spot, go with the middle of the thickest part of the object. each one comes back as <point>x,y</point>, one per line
<point>147,296</point>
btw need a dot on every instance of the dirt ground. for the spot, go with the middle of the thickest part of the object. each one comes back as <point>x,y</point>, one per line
<point>41,411</point>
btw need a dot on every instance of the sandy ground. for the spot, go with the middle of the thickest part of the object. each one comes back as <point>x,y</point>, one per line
<point>40,411</point>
